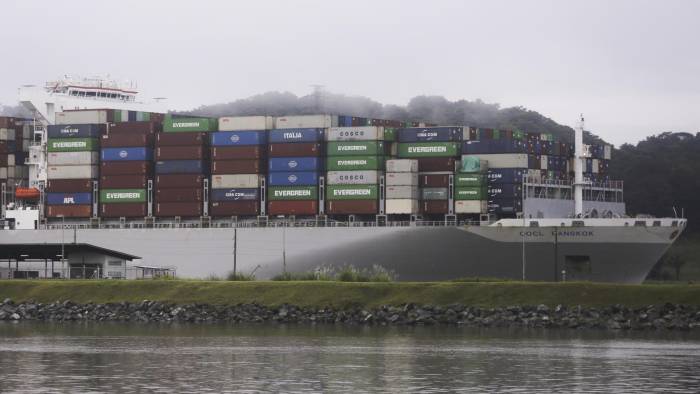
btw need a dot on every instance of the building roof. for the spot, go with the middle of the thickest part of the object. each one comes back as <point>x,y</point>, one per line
<point>52,251</point>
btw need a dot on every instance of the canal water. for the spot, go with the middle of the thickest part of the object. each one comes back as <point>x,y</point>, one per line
<point>42,357</point>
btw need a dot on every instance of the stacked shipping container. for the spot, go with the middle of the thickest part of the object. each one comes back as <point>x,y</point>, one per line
<point>238,153</point>
<point>182,165</point>
<point>294,165</point>
<point>470,186</point>
<point>355,163</point>
<point>126,167</point>
<point>436,149</point>
<point>402,195</point>
<point>14,143</point>
<point>73,159</point>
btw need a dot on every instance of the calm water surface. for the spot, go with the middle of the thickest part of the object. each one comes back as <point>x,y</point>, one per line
<point>190,358</point>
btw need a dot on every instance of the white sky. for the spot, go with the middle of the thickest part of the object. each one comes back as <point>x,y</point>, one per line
<point>632,67</point>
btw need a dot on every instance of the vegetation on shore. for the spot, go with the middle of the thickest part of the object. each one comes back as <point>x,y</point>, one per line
<point>344,294</point>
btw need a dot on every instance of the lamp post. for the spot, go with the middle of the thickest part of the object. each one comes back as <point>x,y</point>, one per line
<point>63,243</point>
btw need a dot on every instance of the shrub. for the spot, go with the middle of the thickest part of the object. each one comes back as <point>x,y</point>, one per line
<point>238,276</point>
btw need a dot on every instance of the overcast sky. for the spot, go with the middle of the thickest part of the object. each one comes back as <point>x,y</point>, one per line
<point>632,67</point>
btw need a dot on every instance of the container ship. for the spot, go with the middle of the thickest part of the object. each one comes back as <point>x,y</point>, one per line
<point>301,193</point>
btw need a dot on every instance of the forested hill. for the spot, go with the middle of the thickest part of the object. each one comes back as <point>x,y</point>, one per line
<point>660,173</point>
<point>433,109</point>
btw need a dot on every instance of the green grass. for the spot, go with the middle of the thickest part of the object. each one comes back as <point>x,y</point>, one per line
<point>688,248</point>
<point>343,294</point>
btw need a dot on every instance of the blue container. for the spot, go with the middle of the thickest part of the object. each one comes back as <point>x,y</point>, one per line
<point>345,121</point>
<point>505,206</point>
<point>295,135</point>
<point>300,178</point>
<point>132,116</point>
<point>238,138</point>
<point>506,175</point>
<point>75,130</point>
<point>505,191</point>
<point>180,167</point>
<point>281,164</point>
<point>68,198</point>
<point>493,146</point>
<point>430,134</point>
<point>126,154</point>
<point>235,194</point>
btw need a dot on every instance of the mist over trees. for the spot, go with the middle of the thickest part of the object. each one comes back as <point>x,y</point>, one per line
<point>432,109</point>
<point>17,111</point>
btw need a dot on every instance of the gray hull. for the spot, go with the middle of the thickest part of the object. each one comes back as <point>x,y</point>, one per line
<point>414,253</point>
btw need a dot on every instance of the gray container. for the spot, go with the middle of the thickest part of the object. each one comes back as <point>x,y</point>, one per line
<point>306,121</point>
<point>7,134</point>
<point>73,158</point>
<point>503,160</point>
<point>362,133</point>
<point>234,123</point>
<point>352,177</point>
<point>239,181</point>
<point>72,172</point>
<point>402,207</point>
<point>82,117</point>
<point>434,193</point>
<point>401,179</point>
<point>402,165</point>
<point>470,206</point>
<point>402,192</point>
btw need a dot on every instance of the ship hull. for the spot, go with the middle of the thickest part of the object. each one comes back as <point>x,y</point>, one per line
<point>413,253</point>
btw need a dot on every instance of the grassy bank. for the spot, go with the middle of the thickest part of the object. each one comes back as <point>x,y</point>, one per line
<point>340,294</point>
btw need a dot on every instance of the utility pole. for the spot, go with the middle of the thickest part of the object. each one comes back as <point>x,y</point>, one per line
<point>235,250</point>
<point>284,248</point>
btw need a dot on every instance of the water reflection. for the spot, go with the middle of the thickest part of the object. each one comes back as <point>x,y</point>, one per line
<point>198,358</point>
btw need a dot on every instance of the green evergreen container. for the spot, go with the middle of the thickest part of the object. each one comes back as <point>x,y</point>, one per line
<point>286,193</point>
<point>354,163</point>
<point>390,134</point>
<point>174,125</point>
<point>428,149</point>
<point>111,196</point>
<point>72,144</point>
<point>351,192</point>
<point>470,193</point>
<point>469,180</point>
<point>355,148</point>
<point>472,164</point>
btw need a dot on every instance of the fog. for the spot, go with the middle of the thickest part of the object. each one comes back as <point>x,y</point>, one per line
<point>629,66</point>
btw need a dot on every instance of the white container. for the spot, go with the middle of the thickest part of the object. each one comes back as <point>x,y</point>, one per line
<point>402,165</point>
<point>470,206</point>
<point>13,172</point>
<point>10,159</point>
<point>71,172</point>
<point>243,181</point>
<point>401,207</point>
<point>73,158</point>
<point>26,132</point>
<point>235,123</point>
<point>362,133</point>
<point>7,134</point>
<point>503,160</point>
<point>607,152</point>
<point>352,177</point>
<point>402,192</point>
<point>401,179</point>
<point>306,121</point>
<point>595,166</point>
<point>544,164</point>
<point>3,172</point>
<point>82,116</point>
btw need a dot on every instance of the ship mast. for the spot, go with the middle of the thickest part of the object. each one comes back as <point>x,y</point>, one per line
<point>578,169</point>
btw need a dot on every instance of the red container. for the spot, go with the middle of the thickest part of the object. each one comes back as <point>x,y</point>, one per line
<point>308,207</point>
<point>434,207</point>
<point>135,128</point>
<point>7,122</point>
<point>179,195</point>
<point>124,210</point>
<point>237,152</point>
<point>352,207</point>
<point>234,208</point>
<point>114,140</point>
<point>181,139</point>
<point>295,149</point>
<point>180,153</point>
<point>3,159</point>
<point>434,164</point>
<point>238,167</point>
<point>183,209</point>
<point>69,186</point>
<point>169,181</point>
<point>126,168</point>
<point>3,147</point>
<point>434,180</point>
<point>69,211</point>
<point>123,182</point>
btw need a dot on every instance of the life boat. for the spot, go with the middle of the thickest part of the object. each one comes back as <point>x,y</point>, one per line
<point>27,193</point>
